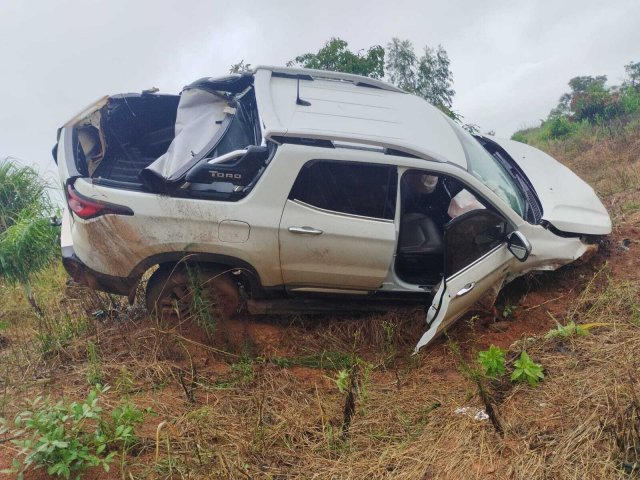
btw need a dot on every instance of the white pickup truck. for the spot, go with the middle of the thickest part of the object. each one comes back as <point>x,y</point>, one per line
<point>292,190</point>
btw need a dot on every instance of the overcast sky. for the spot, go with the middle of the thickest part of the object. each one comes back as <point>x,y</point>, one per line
<point>511,60</point>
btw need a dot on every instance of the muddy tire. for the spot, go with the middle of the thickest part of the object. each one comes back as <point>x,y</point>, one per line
<point>178,292</point>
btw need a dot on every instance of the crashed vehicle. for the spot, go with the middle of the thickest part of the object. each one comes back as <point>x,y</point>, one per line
<point>295,190</point>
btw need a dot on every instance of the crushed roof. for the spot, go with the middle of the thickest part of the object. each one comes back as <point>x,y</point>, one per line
<point>351,108</point>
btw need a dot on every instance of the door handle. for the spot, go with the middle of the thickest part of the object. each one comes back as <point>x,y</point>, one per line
<point>305,230</point>
<point>466,289</point>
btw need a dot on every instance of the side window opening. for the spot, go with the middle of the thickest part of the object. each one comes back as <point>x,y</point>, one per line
<point>431,204</point>
<point>366,190</point>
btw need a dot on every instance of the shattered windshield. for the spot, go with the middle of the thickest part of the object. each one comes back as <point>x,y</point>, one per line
<point>489,171</point>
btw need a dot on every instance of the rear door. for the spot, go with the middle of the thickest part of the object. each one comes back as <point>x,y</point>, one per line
<point>476,263</point>
<point>337,229</point>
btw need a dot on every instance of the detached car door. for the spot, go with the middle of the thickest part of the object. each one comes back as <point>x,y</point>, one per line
<point>477,260</point>
<point>337,229</point>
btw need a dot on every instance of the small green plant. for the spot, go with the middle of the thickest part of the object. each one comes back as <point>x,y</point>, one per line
<point>67,439</point>
<point>342,380</point>
<point>480,379</point>
<point>202,307</point>
<point>389,341</point>
<point>362,371</point>
<point>492,361</point>
<point>243,370</point>
<point>566,331</point>
<point>124,419</point>
<point>125,382</point>
<point>508,310</point>
<point>526,370</point>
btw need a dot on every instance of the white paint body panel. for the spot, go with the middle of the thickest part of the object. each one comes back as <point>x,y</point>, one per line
<point>568,202</point>
<point>344,111</point>
<point>351,252</point>
<point>489,271</point>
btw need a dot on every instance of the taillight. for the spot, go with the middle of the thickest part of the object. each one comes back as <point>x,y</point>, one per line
<point>87,208</point>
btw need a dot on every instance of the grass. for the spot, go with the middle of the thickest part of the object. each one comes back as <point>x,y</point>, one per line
<point>284,416</point>
<point>259,398</point>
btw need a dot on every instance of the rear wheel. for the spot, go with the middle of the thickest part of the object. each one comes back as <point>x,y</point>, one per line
<point>184,291</point>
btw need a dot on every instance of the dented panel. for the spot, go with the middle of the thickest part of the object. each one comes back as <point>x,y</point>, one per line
<point>210,173</point>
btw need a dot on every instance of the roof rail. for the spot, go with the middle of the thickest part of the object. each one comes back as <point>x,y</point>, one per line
<point>358,80</point>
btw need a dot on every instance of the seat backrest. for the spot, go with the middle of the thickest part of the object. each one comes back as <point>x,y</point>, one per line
<point>419,235</point>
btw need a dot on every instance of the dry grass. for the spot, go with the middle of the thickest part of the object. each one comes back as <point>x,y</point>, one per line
<point>258,399</point>
<point>608,158</point>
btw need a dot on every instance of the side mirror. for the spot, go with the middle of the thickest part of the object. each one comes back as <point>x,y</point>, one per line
<point>518,245</point>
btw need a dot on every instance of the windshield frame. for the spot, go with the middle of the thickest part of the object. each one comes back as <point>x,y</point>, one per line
<point>509,191</point>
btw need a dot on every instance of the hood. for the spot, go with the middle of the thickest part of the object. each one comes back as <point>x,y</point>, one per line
<point>568,202</point>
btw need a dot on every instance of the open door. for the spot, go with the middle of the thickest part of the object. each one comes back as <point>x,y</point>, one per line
<point>477,260</point>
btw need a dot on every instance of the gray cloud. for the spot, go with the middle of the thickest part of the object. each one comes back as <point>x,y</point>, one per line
<point>511,60</point>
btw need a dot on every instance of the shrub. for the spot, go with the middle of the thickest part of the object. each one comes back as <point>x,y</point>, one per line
<point>69,438</point>
<point>558,127</point>
<point>589,103</point>
<point>630,100</point>
<point>27,240</point>
<point>519,136</point>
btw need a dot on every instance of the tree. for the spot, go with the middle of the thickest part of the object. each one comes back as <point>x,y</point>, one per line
<point>633,74</point>
<point>27,240</point>
<point>336,57</point>
<point>586,83</point>
<point>435,79</point>
<point>401,64</point>
<point>240,67</point>
<point>589,99</point>
<point>429,76</point>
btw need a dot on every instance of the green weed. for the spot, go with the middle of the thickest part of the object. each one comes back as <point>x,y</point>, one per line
<point>243,370</point>
<point>389,329</point>
<point>55,333</point>
<point>69,438</point>
<point>526,370</point>
<point>342,380</point>
<point>480,379</point>
<point>202,309</point>
<point>124,382</point>
<point>571,329</point>
<point>492,361</point>
<point>508,310</point>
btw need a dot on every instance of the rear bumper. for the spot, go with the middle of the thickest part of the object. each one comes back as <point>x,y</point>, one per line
<point>95,280</point>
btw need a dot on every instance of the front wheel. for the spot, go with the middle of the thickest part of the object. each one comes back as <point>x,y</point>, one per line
<point>189,290</point>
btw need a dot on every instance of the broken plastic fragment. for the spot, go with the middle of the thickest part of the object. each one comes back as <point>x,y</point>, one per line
<point>480,415</point>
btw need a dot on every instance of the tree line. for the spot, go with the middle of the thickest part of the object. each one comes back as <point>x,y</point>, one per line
<point>590,101</point>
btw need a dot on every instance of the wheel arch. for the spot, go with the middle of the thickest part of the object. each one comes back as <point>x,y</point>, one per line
<point>248,274</point>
